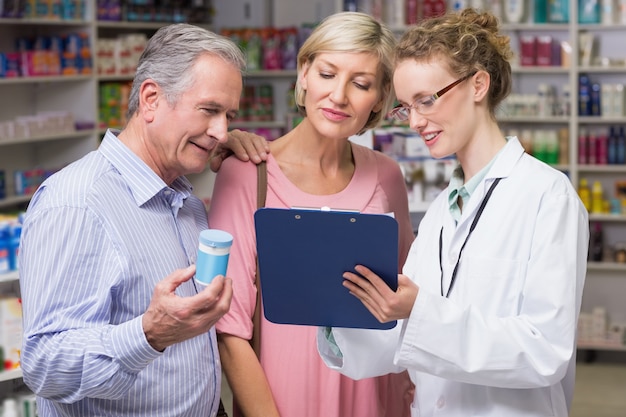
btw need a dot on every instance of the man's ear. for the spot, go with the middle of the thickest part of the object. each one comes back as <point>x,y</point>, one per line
<point>149,94</point>
<point>481,82</point>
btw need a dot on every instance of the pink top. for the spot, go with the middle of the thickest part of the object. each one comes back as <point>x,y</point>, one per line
<point>301,383</point>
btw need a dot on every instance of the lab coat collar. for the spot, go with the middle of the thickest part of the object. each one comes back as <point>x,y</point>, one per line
<point>502,167</point>
<point>505,162</point>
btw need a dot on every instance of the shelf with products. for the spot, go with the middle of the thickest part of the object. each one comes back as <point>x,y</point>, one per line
<point>76,134</point>
<point>534,119</point>
<point>606,266</point>
<point>31,91</point>
<point>10,375</point>
<point>49,119</point>
<point>14,201</point>
<point>267,102</point>
<point>9,277</point>
<point>600,346</point>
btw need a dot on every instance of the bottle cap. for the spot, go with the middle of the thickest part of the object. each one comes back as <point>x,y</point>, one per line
<point>216,238</point>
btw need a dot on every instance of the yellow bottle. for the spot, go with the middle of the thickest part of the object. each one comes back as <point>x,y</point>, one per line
<point>597,202</point>
<point>584,193</point>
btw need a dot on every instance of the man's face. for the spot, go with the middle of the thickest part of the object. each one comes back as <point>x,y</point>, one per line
<point>182,138</point>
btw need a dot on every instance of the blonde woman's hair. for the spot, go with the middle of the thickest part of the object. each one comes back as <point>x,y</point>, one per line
<point>352,32</point>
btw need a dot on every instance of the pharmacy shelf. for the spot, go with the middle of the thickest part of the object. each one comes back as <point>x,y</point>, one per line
<point>603,169</point>
<point>78,134</point>
<point>14,200</point>
<point>43,22</point>
<point>606,266</point>
<point>281,81</point>
<point>601,70</point>
<point>522,70</point>
<point>600,346</point>
<point>602,217</point>
<point>600,120</point>
<point>534,119</point>
<point>45,78</point>
<point>116,24</point>
<point>9,277</point>
<point>289,74</point>
<point>535,27</point>
<point>10,375</point>
<point>260,124</point>
<point>597,27</point>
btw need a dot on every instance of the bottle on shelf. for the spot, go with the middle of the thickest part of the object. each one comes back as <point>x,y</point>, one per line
<point>583,147</point>
<point>514,10</point>
<point>9,408</point>
<point>596,247</point>
<point>611,147</point>
<point>584,193</point>
<point>621,146</point>
<point>597,200</point>
<point>5,266</point>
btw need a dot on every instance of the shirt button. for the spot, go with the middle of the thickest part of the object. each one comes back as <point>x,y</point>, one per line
<point>441,402</point>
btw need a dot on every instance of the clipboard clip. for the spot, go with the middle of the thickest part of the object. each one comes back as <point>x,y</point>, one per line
<point>326,209</point>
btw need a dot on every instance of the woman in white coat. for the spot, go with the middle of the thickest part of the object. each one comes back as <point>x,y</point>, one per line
<point>491,291</point>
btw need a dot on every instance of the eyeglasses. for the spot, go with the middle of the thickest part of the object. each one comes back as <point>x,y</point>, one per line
<point>423,105</point>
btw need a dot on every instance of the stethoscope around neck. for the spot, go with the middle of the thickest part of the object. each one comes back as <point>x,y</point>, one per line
<point>471,229</point>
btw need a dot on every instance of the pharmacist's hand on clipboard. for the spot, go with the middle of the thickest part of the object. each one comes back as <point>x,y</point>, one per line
<point>171,319</point>
<point>245,146</point>
<point>384,303</point>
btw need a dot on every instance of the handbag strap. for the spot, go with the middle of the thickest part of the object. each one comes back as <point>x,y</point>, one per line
<point>256,319</point>
<point>261,184</point>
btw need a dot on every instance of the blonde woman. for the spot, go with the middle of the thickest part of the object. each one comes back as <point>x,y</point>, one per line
<point>343,89</point>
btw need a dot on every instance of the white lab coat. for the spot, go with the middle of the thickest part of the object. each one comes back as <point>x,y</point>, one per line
<point>504,343</point>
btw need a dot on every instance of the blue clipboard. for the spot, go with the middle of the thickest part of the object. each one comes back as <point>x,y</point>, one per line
<point>303,254</point>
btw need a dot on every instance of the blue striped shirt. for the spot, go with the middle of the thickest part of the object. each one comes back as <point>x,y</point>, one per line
<point>98,235</point>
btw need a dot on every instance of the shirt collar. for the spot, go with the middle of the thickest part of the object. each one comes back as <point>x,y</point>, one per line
<point>457,187</point>
<point>142,181</point>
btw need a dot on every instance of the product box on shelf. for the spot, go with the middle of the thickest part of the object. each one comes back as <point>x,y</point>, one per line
<point>595,328</point>
<point>11,331</point>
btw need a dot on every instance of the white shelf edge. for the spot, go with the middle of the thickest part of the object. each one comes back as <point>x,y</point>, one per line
<point>124,24</point>
<point>57,136</point>
<point>278,73</point>
<point>606,217</point>
<point>606,169</point>
<point>601,70</point>
<point>533,119</point>
<point>9,276</point>
<point>519,69</point>
<point>13,200</point>
<point>46,79</point>
<point>42,21</point>
<point>583,120</point>
<point>599,346</point>
<point>600,27</point>
<point>535,27</point>
<point>606,266</point>
<point>10,375</point>
<point>260,124</point>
